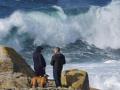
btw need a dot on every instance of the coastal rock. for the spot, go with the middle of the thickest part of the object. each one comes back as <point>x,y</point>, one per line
<point>14,71</point>
<point>76,79</point>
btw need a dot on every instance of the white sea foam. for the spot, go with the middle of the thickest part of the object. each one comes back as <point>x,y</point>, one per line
<point>99,26</point>
<point>101,76</point>
<point>111,61</point>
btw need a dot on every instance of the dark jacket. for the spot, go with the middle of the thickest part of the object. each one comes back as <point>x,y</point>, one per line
<point>39,61</point>
<point>58,60</point>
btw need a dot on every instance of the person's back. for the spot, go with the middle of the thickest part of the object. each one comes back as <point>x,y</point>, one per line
<point>58,60</point>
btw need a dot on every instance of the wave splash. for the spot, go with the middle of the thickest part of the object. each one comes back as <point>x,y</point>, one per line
<point>99,26</point>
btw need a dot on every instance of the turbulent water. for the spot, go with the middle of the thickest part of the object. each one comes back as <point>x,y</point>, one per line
<point>88,32</point>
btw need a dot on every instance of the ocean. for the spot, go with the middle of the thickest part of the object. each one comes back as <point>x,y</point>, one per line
<point>88,32</point>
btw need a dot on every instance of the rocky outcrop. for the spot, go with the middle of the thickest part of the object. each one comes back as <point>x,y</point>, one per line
<point>15,74</point>
<point>14,71</point>
<point>76,79</point>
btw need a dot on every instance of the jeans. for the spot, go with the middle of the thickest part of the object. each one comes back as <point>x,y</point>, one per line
<point>57,77</point>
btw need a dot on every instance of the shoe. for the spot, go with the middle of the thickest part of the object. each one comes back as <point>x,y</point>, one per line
<point>59,87</point>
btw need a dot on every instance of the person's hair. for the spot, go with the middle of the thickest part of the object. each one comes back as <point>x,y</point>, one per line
<point>58,49</point>
<point>39,49</point>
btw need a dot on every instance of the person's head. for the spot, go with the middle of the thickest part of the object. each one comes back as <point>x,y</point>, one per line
<point>39,49</point>
<point>56,50</point>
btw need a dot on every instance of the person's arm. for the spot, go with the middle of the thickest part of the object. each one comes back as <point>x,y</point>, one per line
<point>43,61</point>
<point>64,61</point>
<point>52,61</point>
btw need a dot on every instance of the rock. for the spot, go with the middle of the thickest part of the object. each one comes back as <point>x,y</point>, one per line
<point>94,89</point>
<point>15,74</point>
<point>14,71</point>
<point>52,85</point>
<point>76,79</point>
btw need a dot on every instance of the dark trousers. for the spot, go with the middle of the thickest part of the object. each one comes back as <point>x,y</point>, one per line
<point>57,77</point>
<point>40,71</point>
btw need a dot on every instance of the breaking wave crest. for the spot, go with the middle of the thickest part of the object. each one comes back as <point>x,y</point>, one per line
<point>99,26</point>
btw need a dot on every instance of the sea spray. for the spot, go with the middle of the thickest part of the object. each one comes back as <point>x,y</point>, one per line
<point>59,29</point>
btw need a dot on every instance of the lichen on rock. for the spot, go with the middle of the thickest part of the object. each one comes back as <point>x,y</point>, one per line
<point>76,79</point>
<point>14,71</point>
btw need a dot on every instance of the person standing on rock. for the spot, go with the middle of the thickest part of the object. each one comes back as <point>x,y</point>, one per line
<point>39,62</point>
<point>57,61</point>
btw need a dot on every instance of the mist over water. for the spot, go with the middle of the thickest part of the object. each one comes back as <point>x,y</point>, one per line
<point>89,37</point>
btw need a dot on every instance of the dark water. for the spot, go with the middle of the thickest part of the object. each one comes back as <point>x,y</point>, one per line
<point>76,50</point>
<point>7,7</point>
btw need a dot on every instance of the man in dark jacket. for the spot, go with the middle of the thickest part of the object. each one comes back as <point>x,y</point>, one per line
<point>39,62</point>
<point>58,60</point>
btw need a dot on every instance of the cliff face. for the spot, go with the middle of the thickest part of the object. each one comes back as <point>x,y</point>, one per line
<point>14,71</point>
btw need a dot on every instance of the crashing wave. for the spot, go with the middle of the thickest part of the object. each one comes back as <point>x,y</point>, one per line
<point>59,29</point>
